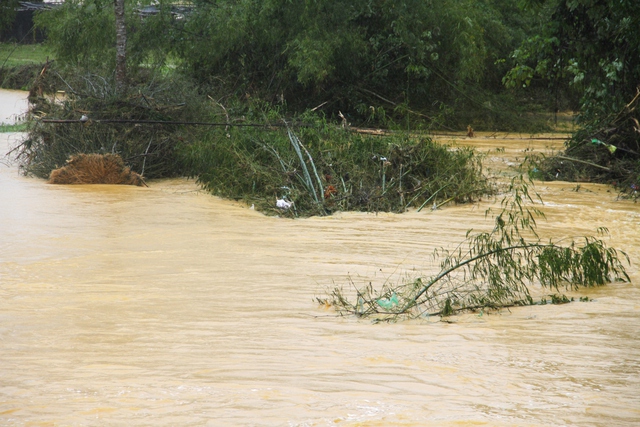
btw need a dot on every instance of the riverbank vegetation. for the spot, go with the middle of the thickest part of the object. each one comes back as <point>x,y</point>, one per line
<point>605,150</point>
<point>320,168</point>
<point>249,151</point>
<point>410,66</point>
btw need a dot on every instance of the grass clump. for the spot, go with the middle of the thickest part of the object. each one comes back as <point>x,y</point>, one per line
<point>492,270</point>
<point>321,168</point>
<point>18,127</point>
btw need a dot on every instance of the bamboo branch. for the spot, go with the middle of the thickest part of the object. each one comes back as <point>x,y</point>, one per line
<point>446,272</point>
<point>305,170</point>
<point>585,162</point>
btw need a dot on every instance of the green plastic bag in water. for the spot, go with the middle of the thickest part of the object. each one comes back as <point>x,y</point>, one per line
<point>388,303</point>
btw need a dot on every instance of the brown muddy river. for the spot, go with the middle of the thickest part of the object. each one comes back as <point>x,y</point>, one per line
<point>166,306</point>
<point>13,103</point>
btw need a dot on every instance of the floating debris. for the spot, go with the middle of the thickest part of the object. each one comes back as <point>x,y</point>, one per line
<point>388,303</point>
<point>95,169</point>
<point>283,204</point>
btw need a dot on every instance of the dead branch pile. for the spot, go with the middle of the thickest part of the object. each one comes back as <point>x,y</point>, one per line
<point>20,76</point>
<point>95,169</point>
<point>94,118</point>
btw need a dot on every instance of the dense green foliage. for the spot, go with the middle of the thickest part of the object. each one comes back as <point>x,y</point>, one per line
<point>592,49</point>
<point>379,62</point>
<point>593,46</point>
<point>322,168</point>
<point>374,60</point>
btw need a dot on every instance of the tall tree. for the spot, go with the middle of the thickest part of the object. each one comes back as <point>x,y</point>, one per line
<point>591,45</point>
<point>121,46</point>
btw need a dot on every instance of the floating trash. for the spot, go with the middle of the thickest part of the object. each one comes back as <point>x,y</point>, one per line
<point>612,148</point>
<point>389,303</point>
<point>283,204</point>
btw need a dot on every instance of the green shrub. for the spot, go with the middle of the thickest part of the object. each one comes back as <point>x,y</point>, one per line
<point>323,168</point>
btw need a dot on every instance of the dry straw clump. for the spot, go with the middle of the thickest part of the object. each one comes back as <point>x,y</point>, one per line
<point>95,169</point>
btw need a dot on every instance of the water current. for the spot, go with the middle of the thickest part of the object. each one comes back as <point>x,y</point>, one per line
<point>166,306</point>
<point>13,104</point>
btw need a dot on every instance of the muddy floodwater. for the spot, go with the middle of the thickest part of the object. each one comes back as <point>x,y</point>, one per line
<point>166,306</point>
<point>13,103</point>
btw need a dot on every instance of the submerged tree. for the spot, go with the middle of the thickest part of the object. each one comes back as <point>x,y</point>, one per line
<point>492,269</point>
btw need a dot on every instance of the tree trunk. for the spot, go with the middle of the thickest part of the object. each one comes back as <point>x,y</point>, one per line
<point>121,47</point>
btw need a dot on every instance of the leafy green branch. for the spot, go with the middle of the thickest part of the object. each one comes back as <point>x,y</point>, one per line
<point>493,269</point>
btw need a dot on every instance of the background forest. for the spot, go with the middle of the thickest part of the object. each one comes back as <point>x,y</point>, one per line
<point>451,61</point>
<point>446,62</point>
<point>435,63</point>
